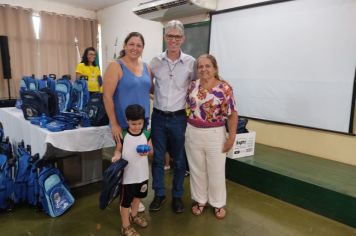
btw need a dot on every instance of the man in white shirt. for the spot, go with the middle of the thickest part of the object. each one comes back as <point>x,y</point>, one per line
<point>173,70</point>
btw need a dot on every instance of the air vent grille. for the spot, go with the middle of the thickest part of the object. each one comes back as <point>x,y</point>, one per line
<point>147,10</point>
<point>173,4</point>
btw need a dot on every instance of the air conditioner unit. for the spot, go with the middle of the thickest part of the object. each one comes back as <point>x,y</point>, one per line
<point>161,10</point>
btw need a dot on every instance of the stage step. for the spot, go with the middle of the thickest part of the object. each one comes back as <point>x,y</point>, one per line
<point>319,185</point>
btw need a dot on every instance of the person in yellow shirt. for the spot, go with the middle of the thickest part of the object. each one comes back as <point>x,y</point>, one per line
<point>90,70</point>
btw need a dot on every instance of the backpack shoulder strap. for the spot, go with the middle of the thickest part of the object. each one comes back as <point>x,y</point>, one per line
<point>123,134</point>
<point>147,134</point>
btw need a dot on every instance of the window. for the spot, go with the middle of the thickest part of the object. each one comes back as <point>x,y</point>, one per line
<point>36,20</point>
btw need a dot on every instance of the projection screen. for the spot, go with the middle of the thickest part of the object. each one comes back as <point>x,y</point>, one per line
<point>290,62</point>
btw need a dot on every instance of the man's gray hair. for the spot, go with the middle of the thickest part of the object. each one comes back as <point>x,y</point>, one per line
<point>174,24</point>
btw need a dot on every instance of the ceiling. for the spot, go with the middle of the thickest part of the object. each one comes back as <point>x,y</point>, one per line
<point>92,5</point>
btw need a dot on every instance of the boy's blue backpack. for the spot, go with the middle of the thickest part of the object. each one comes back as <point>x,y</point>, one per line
<point>64,92</point>
<point>112,180</point>
<point>6,183</point>
<point>47,82</point>
<point>55,196</point>
<point>80,96</point>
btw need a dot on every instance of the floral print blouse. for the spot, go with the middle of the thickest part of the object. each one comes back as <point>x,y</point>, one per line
<point>209,108</point>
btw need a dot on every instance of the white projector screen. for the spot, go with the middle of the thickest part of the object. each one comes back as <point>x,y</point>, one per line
<point>290,62</point>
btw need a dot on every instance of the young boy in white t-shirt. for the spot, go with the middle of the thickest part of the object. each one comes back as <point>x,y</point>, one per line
<point>136,173</point>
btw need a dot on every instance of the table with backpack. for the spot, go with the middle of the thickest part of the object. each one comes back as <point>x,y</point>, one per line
<point>52,137</point>
<point>80,147</point>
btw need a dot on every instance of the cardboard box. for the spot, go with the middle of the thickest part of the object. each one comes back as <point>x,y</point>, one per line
<point>244,145</point>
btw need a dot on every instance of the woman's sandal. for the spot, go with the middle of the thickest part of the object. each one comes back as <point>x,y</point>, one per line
<point>197,208</point>
<point>219,212</point>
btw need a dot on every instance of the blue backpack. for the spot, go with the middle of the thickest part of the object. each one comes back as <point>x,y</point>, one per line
<point>6,183</point>
<point>112,180</point>
<point>64,92</point>
<point>96,110</point>
<point>47,82</point>
<point>6,172</point>
<point>80,96</point>
<point>5,145</point>
<point>33,187</point>
<point>241,127</point>
<point>36,103</point>
<point>22,172</point>
<point>29,83</point>
<point>55,196</point>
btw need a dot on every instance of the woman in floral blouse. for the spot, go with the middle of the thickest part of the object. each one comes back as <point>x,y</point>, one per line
<point>211,103</point>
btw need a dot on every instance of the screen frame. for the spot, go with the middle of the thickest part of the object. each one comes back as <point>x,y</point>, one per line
<point>353,102</point>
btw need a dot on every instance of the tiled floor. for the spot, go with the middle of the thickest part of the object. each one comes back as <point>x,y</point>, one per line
<point>250,213</point>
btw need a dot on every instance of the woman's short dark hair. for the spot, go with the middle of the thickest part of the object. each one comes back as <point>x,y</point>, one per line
<point>85,56</point>
<point>135,112</point>
<point>128,37</point>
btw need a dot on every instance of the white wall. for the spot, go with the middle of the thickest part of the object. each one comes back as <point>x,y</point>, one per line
<point>224,4</point>
<point>118,21</point>
<point>47,6</point>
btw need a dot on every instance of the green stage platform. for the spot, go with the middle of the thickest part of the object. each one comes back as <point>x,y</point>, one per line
<point>319,185</point>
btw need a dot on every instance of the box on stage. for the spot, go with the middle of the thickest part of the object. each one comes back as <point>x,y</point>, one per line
<point>244,145</point>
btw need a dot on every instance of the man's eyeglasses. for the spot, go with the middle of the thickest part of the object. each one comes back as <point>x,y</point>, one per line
<point>172,36</point>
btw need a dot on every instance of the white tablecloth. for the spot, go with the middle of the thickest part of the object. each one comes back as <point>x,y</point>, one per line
<point>77,140</point>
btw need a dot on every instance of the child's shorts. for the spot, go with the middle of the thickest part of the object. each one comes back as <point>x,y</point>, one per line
<point>131,191</point>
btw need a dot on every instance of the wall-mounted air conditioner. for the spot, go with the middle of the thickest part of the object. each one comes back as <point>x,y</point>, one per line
<point>161,10</point>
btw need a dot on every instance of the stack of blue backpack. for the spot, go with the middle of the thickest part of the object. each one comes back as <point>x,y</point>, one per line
<point>40,184</point>
<point>68,96</point>
<point>26,179</point>
<point>72,96</point>
<point>53,97</point>
<point>60,101</point>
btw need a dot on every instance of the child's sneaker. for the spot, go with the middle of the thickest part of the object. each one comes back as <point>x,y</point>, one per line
<point>129,231</point>
<point>141,207</point>
<point>139,220</point>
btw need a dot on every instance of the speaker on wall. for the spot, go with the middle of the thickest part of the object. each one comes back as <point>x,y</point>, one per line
<point>5,57</point>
